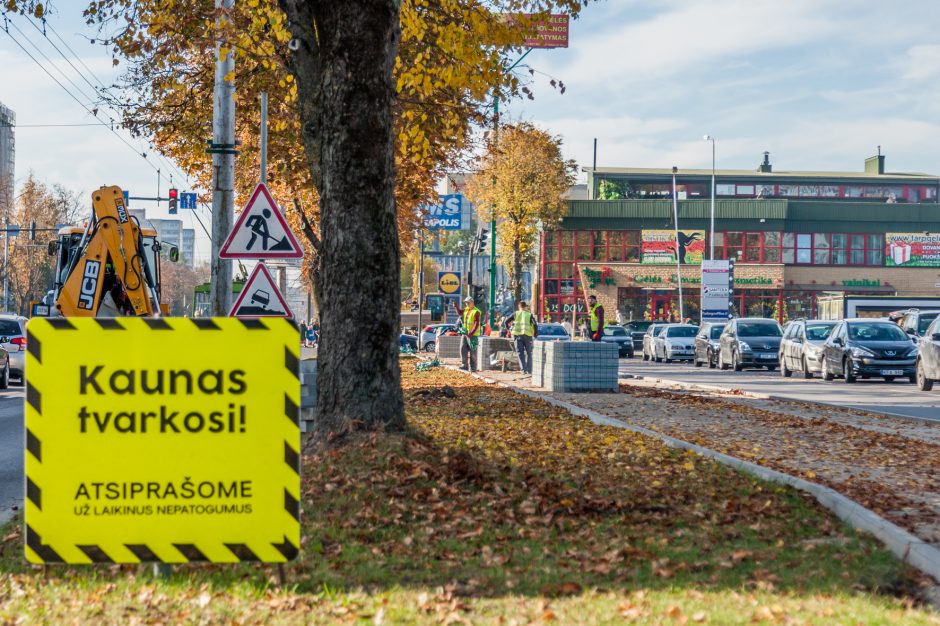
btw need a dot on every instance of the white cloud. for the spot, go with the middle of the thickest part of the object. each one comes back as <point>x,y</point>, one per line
<point>922,62</point>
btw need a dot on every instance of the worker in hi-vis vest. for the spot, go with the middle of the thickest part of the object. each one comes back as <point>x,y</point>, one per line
<point>596,313</point>
<point>524,331</point>
<point>471,320</point>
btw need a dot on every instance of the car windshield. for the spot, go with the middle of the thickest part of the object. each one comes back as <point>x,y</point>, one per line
<point>551,330</point>
<point>818,332</point>
<point>614,331</point>
<point>682,331</point>
<point>716,331</point>
<point>876,331</point>
<point>758,329</point>
<point>9,327</point>
<point>638,326</point>
<point>924,321</point>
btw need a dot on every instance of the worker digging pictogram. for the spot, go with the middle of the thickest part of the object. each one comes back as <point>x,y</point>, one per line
<point>148,460</point>
<point>261,232</point>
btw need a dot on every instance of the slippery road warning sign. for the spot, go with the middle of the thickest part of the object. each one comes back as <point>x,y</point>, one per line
<point>186,448</point>
<point>260,297</point>
<point>261,232</point>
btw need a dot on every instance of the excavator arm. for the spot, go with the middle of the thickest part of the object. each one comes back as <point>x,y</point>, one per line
<point>108,262</point>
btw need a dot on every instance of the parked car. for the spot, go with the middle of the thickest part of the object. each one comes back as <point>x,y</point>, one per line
<point>706,344</point>
<point>914,322</point>
<point>552,332</point>
<point>430,334</point>
<point>651,332</point>
<point>750,342</point>
<point>13,341</point>
<point>676,342</point>
<point>869,348</point>
<point>928,360</point>
<point>801,348</point>
<point>617,334</point>
<point>636,329</point>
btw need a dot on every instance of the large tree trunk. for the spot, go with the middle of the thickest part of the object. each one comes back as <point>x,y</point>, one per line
<point>344,52</point>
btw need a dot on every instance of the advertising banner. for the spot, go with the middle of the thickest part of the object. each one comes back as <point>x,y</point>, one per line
<point>912,250</point>
<point>658,247</point>
<point>446,214</point>
<point>449,282</point>
<point>717,289</point>
<point>549,33</point>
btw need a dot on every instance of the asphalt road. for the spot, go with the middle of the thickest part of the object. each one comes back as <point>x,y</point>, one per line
<point>12,441</point>
<point>899,397</point>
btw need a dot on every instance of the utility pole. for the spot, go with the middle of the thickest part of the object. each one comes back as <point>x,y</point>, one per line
<point>222,148</point>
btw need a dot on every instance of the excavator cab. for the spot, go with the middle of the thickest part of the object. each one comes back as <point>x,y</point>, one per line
<point>111,266</point>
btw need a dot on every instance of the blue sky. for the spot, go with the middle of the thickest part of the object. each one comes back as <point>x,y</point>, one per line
<point>818,83</point>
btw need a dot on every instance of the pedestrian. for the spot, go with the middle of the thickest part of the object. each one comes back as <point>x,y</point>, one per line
<point>596,313</point>
<point>524,330</point>
<point>471,318</point>
<point>619,318</point>
<point>303,333</point>
<point>506,326</point>
<point>313,334</point>
<point>567,326</point>
<point>583,329</point>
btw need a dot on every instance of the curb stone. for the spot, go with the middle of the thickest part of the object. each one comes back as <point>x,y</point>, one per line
<point>911,550</point>
<point>764,396</point>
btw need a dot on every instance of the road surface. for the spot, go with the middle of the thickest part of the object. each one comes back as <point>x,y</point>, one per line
<point>899,397</point>
<point>11,451</point>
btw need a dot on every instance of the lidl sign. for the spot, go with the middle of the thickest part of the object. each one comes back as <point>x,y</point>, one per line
<point>157,457</point>
<point>446,214</point>
<point>448,282</point>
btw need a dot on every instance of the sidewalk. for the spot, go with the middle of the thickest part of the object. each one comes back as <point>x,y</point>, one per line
<point>889,468</point>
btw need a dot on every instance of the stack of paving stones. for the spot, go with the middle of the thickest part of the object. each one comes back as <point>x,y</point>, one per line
<point>573,366</point>
<point>489,346</point>
<point>308,394</point>
<point>448,346</point>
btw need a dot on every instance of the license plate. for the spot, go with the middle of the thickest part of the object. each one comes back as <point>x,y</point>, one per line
<point>766,356</point>
<point>892,372</point>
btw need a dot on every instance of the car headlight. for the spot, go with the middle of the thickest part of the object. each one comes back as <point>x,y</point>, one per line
<point>913,352</point>
<point>744,346</point>
<point>858,352</point>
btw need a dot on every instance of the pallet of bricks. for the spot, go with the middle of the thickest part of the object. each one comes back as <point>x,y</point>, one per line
<point>575,366</point>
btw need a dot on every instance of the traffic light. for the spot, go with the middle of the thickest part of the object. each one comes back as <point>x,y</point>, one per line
<point>482,237</point>
<point>479,294</point>
<point>174,200</point>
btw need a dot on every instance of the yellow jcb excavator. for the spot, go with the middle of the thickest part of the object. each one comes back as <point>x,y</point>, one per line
<point>111,266</point>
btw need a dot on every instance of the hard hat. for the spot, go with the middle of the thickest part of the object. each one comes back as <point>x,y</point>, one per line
<point>468,299</point>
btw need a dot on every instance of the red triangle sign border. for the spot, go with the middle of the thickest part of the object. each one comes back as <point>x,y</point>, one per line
<point>296,251</point>
<point>260,269</point>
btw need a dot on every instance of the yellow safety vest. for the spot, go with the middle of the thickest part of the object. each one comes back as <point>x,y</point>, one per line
<point>594,321</point>
<point>470,317</point>
<point>522,324</point>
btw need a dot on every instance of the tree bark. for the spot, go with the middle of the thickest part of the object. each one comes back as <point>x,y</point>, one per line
<point>343,55</point>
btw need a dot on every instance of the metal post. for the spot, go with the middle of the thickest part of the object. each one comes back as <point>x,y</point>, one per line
<point>264,137</point>
<point>711,235</point>
<point>6,266</point>
<point>675,212</point>
<point>492,302</point>
<point>420,285</point>
<point>223,166</point>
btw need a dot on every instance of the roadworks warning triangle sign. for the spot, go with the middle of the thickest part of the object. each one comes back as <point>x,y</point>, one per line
<point>260,297</point>
<point>261,232</point>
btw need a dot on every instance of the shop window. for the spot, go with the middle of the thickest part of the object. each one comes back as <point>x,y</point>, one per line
<point>615,243</point>
<point>551,287</point>
<point>724,190</point>
<point>631,241</point>
<point>550,238</point>
<point>599,249</point>
<point>876,249</point>
<point>804,248</point>
<point>771,247</point>
<point>840,253</point>
<point>567,238</point>
<point>752,251</point>
<point>583,245</point>
<point>810,191</point>
<point>551,270</point>
<point>788,190</point>
<point>734,243</point>
<point>853,192</point>
<point>567,270</point>
<point>745,190</point>
<point>822,243</point>
<point>567,253</point>
<point>788,248</point>
<point>551,253</point>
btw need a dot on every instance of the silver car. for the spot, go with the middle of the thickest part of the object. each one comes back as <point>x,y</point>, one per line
<point>13,340</point>
<point>648,337</point>
<point>928,361</point>
<point>676,342</point>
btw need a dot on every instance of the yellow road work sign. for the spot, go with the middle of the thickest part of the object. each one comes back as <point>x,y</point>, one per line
<point>166,439</point>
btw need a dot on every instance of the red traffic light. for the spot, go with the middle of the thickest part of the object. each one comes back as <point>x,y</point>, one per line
<point>174,194</point>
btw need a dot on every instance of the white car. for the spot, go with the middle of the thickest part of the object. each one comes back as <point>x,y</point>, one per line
<point>676,342</point>
<point>649,337</point>
<point>13,340</point>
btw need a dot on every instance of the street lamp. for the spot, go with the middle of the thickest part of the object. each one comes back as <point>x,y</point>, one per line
<point>675,213</point>
<point>711,237</point>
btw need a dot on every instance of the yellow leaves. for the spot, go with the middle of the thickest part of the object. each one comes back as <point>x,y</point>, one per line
<point>38,11</point>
